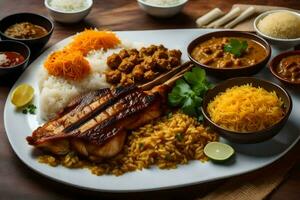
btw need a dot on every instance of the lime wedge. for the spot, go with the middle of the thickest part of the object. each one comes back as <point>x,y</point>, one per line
<point>218,151</point>
<point>22,95</point>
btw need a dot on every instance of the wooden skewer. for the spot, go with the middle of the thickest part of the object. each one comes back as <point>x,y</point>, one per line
<point>171,81</point>
<point>169,75</point>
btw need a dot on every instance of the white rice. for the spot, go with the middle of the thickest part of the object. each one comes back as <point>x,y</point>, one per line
<point>56,92</point>
<point>68,5</point>
<point>163,2</point>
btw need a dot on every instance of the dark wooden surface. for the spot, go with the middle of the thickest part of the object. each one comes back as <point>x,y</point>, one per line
<point>19,182</point>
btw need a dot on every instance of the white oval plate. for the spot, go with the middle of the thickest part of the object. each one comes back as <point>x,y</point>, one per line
<point>248,157</point>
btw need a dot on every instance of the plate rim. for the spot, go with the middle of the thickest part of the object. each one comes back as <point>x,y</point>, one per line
<point>172,186</point>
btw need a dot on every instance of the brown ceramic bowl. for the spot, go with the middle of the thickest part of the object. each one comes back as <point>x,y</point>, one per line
<point>249,137</point>
<point>276,60</point>
<point>230,72</point>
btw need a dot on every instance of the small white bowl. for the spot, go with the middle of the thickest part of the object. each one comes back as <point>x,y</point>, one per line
<point>68,16</point>
<point>278,43</point>
<point>162,11</point>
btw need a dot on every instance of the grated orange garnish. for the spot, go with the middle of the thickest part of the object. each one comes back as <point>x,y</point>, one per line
<point>91,39</point>
<point>67,64</point>
<point>70,63</point>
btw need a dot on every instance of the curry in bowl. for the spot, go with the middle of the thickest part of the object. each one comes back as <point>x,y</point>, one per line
<point>289,68</point>
<point>286,67</point>
<point>25,30</point>
<point>229,52</point>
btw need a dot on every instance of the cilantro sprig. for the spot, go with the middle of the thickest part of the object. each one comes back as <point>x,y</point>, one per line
<point>188,92</point>
<point>29,109</point>
<point>236,47</point>
<point>179,137</point>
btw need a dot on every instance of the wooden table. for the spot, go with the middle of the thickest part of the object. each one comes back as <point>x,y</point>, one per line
<point>19,182</point>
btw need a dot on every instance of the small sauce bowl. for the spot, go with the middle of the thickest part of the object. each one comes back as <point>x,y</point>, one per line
<point>274,63</point>
<point>247,137</point>
<point>8,45</point>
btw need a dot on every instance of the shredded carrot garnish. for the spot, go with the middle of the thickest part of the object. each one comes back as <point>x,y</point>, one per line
<point>67,64</point>
<point>93,40</point>
<point>70,63</point>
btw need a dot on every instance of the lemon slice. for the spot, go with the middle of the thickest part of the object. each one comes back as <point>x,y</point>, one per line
<point>218,151</point>
<point>22,95</point>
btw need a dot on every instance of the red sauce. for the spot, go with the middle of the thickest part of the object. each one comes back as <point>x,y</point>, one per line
<point>10,58</point>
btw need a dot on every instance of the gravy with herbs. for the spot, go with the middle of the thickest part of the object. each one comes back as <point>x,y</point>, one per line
<point>212,53</point>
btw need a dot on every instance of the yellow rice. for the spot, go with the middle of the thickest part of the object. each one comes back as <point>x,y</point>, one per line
<point>166,142</point>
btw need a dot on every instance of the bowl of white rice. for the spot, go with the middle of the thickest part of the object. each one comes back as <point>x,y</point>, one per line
<point>68,11</point>
<point>280,27</point>
<point>162,8</point>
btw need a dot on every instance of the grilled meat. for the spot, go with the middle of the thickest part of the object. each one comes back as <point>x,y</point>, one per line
<point>95,124</point>
<point>95,121</point>
<point>78,111</point>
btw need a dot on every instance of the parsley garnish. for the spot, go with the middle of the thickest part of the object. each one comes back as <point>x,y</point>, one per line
<point>141,145</point>
<point>200,118</point>
<point>189,91</point>
<point>236,47</point>
<point>29,109</point>
<point>168,157</point>
<point>179,137</point>
<point>169,114</point>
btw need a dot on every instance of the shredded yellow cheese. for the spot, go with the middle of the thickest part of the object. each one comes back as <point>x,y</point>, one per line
<point>246,109</point>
